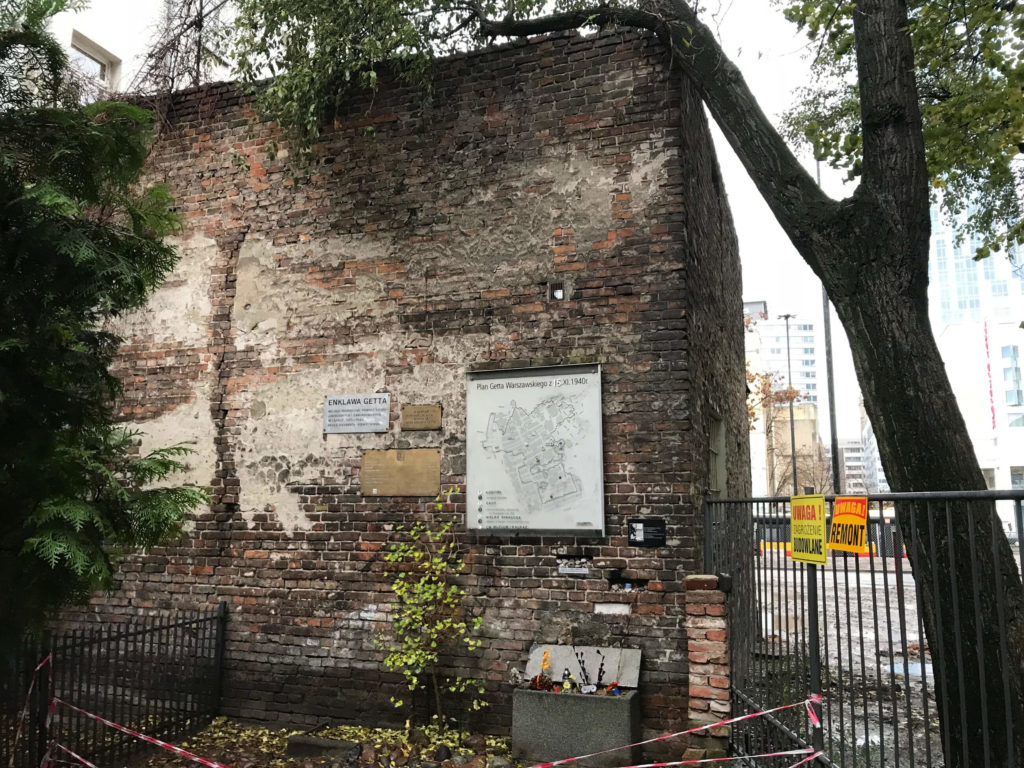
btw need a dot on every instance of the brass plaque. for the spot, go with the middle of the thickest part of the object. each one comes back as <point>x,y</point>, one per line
<point>421,417</point>
<point>414,472</point>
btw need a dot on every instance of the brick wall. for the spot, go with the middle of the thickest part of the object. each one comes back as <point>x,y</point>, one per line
<point>418,246</point>
<point>707,635</point>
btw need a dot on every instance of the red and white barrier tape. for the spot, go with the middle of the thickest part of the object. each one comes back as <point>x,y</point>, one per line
<point>170,747</point>
<point>809,703</point>
<point>77,757</point>
<point>813,699</point>
<point>808,759</point>
<point>23,715</point>
<point>707,760</point>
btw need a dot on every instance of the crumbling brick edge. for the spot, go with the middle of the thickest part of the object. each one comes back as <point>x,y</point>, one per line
<point>707,637</point>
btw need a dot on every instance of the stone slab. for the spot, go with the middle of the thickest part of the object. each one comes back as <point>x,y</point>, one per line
<point>306,745</point>
<point>622,664</point>
<point>555,726</point>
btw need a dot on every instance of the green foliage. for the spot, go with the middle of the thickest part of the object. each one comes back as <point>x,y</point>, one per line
<point>316,50</point>
<point>80,243</point>
<point>429,616</point>
<point>969,57</point>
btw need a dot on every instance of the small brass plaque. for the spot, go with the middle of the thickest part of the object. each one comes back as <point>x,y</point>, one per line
<point>421,417</point>
<point>414,472</point>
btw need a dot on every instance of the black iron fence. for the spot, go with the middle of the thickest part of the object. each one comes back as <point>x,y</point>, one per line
<point>909,644</point>
<point>159,676</point>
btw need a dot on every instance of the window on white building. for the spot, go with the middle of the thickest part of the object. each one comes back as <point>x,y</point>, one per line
<point>99,68</point>
<point>1016,478</point>
<point>1016,420</point>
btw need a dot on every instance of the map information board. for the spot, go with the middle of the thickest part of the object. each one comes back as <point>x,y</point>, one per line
<point>534,460</point>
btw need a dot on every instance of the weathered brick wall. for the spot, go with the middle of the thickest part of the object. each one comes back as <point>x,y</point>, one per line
<point>707,635</point>
<point>422,246</point>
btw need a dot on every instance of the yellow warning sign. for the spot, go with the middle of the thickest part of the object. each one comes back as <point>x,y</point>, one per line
<point>807,529</point>
<point>849,529</point>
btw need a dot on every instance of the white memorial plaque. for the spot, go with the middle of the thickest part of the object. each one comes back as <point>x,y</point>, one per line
<point>357,413</point>
<point>533,450</point>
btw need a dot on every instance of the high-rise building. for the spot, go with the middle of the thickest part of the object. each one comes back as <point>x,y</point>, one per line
<point>851,466</point>
<point>804,350</point>
<point>976,310</point>
<point>770,334</point>
<point>962,290</point>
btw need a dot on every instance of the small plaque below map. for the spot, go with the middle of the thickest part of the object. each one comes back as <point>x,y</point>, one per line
<point>415,472</point>
<point>647,533</point>
<point>421,417</point>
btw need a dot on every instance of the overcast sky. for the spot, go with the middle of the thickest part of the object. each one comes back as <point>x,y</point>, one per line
<point>772,57</point>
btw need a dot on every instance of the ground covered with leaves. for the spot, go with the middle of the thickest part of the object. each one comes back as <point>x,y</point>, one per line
<point>343,746</point>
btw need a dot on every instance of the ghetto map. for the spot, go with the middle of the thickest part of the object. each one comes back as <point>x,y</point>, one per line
<point>534,450</point>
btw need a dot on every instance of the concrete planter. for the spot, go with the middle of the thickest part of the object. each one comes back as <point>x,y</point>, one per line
<point>553,726</point>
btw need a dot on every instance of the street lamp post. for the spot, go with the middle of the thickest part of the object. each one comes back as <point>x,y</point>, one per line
<point>814,658</point>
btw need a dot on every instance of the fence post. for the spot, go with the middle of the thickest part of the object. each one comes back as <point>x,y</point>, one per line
<point>1018,519</point>
<point>817,734</point>
<point>708,539</point>
<point>41,709</point>
<point>218,655</point>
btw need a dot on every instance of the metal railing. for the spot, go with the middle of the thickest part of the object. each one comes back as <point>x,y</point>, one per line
<point>869,655</point>
<point>160,676</point>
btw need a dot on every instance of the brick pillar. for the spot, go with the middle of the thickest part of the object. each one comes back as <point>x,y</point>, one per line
<point>707,638</point>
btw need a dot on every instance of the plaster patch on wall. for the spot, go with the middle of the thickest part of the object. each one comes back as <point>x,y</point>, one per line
<point>179,311</point>
<point>647,175</point>
<point>190,422</point>
<point>506,237</point>
<point>281,444</point>
<point>339,281</point>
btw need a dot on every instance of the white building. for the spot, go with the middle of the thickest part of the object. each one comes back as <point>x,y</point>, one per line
<point>108,40</point>
<point>851,466</point>
<point>976,310</point>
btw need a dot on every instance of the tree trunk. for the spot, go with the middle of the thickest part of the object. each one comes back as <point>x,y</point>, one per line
<point>970,589</point>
